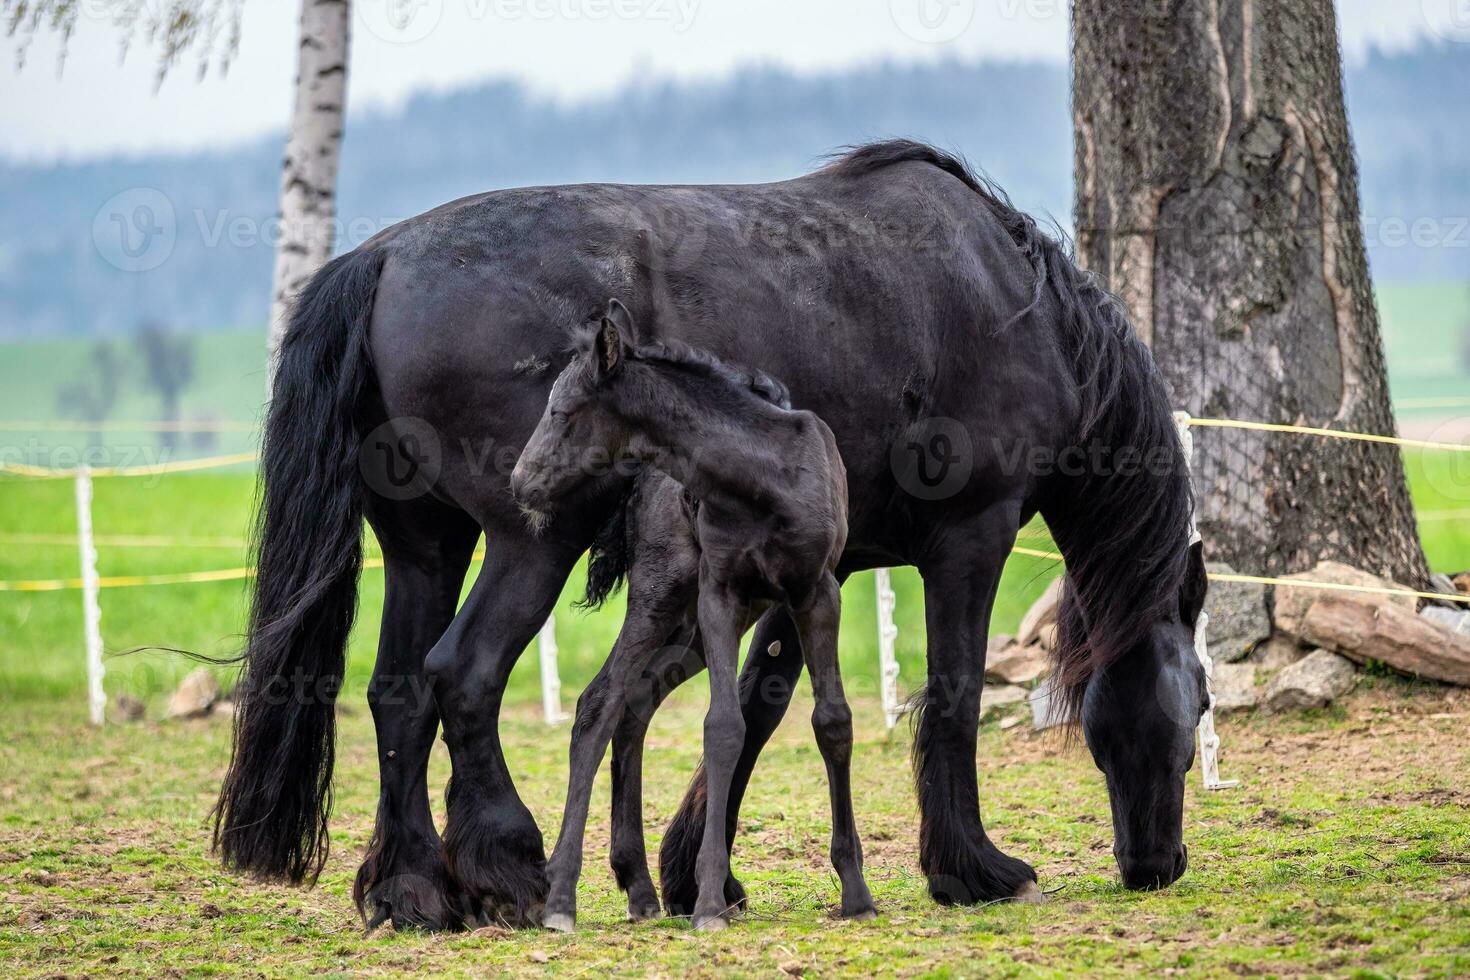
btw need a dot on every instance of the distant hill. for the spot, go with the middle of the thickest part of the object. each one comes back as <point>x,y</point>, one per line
<point>760,124</point>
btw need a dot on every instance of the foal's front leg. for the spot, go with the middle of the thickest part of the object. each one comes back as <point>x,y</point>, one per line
<point>832,723</point>
<point>599,710</point>
<point>721,621</point>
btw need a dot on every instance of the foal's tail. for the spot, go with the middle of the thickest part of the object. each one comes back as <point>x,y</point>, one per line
<point>271,819</point>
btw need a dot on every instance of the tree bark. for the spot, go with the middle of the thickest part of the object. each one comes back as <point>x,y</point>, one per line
<point>1217,195</point>
<point>308,202</point>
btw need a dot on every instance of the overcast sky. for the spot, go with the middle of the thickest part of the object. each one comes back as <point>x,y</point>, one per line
<point>564,48</point>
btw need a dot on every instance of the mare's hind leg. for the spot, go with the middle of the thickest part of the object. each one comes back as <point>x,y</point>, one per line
<point>832,724</point>
<point>427,548</point>
<point>961,863</point>
<point>766,684</point>
<point>679,659</point>
<point>492,846</point>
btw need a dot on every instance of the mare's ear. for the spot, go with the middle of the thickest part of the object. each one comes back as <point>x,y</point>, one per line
<point>611,343</point>
<point>1192,592</point>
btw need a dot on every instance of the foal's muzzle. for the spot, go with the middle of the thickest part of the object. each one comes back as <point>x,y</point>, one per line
<point>528,489</point>
<point>1144,872</point>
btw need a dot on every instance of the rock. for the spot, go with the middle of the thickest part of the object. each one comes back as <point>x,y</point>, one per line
<point>128,708</point>
<point>1043,612</point>
<point>1047,638</point>
<point>195,695</point>
<point>999,642</point>
<point>1279,651</point>
<point>1440,582</point>
<point>1018,665</point>
<point>1234,687</point>
<point>1315,681</point>
<point>1360,629</point>
<point>1292,604</point>
<point>224,710</point>
<point>1454,620</point>
<point>1046,709</point>
<point>1238,619</point>
<point>998,696</point>
<point>1462,582</point>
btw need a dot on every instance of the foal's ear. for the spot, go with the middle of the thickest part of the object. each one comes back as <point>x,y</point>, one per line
<point>611,342</point>
<point>1196,584</point>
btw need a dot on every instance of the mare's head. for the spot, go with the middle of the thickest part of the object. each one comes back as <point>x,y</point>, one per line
<point>579,436</point>
<point>1138,714</point>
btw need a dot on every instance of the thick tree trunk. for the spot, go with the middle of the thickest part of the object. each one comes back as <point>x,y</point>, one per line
<point>1218,196</point>
<point>308,205</point>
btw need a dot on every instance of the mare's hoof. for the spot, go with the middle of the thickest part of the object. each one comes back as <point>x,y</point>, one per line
<point>713,923</point>
<point>1029,893</point>
<point>865,915</point>
<point>644,913</point>
<point>560,922</point>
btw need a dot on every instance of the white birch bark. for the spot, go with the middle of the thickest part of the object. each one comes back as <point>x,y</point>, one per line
<point>308,202</point>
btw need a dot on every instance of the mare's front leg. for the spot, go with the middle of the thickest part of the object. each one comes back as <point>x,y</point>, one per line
<point>960,580</point>
<point>599,710</point>
<point>492,846</point>
<point>832,724</point>
<point>721,621</point>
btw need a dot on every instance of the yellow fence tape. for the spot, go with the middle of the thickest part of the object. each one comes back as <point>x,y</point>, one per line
<point>1454,447</point>
<point>148,469</point>
<point>125,425</point>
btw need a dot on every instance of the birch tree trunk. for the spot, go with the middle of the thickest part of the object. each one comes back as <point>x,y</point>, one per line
<point>1217,194</point>
<point>308,203</point>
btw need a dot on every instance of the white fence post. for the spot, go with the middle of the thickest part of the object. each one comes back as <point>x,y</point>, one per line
<point>91,609</point>
<point>1209,742</point>
<point>550,676</point>
<point>887,657</point>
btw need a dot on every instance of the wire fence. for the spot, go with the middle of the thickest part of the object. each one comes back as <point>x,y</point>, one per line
<point>90,583</point>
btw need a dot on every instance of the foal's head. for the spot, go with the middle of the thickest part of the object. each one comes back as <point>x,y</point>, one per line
<point>578,437</point>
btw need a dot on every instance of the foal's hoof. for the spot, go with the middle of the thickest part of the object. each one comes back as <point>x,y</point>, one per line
<point>1029,893</point>
<point>713,923</point>
<point>560,922</point>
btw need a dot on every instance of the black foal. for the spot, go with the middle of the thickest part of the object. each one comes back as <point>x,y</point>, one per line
<point>742,505</point>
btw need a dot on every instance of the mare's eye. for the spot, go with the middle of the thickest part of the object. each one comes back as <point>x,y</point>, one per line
<point>560,418</point>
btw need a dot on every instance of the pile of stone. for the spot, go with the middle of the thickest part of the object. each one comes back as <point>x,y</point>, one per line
<point>1301,646</point>
<point>1298,648</point>
<point>1016,667</point>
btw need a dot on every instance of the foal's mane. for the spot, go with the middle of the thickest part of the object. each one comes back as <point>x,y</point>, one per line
<point>609,554</point>
<point>1124,535</point>
<point>700,363</point>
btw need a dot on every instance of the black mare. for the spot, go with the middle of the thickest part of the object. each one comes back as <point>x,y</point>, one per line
<point>741,505</point>
<point>972,378</point>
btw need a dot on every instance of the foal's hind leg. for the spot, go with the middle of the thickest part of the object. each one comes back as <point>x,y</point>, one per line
<point>766,684</point>
<point>427,548</point>
<point>832,724</point>
<point>962,865</point>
